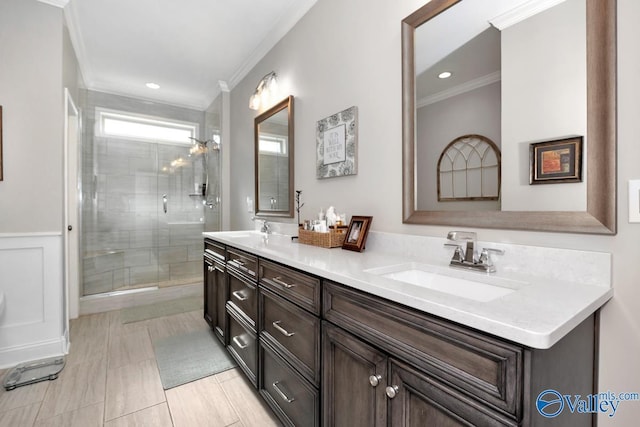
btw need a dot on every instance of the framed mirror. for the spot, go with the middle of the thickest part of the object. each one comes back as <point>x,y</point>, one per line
<point>532,107</point>
<point>273,130</point>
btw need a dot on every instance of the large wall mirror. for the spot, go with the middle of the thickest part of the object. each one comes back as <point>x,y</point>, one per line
<point>521,72</point>
<point>273,131</point>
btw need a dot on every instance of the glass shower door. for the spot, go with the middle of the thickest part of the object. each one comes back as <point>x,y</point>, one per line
<point>119,215</point>
<point>181,187</point>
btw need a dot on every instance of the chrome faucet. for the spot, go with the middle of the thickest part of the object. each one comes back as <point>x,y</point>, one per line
<point>466,257</point>
<point>266,227</point>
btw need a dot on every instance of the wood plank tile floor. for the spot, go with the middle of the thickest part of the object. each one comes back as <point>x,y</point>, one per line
<point>111,379</point>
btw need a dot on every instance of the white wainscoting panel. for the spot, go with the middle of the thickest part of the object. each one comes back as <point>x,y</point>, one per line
<point>31,280</point>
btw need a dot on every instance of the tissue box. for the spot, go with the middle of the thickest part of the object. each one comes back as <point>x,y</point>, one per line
<point>333,239</point>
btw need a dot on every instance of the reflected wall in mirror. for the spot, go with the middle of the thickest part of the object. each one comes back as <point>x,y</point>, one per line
<point>539,70</point>
<point>274,143</point>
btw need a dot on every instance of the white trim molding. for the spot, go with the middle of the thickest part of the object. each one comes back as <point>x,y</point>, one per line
<point>460,89</point>
<point>32,325</point>
<point>280,29</point>
<point>522,12</point>
<point>57,3</point>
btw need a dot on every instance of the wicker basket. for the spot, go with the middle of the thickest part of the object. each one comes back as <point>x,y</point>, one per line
<point>333,239</point>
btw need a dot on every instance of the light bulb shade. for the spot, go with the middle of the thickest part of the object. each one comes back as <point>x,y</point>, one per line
<point>254,102</point>
<point>265,92</point>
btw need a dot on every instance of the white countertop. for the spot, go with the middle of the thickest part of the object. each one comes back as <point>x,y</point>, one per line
<point>538,314</point>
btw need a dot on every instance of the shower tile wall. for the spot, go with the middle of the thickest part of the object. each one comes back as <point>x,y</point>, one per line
<point>128,240</point>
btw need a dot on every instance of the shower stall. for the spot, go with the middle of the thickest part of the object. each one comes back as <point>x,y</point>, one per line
<point>149,188</point>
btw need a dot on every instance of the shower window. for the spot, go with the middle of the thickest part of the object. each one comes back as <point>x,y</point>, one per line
<point>115,124</point>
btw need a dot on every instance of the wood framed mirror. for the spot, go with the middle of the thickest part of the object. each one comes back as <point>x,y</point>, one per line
<point>599,214</point>
<point>273,131</point>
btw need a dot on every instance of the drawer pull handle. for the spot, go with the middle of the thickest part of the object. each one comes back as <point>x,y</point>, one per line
<point>392,391</point>
<point>283,331</point>
<point>210,268</point>
<point>239,264</point>
<point>239,295</point>
<point>374,380</point>
<point>281,393</point>
<point>239,342</point>
<point>280,282</point>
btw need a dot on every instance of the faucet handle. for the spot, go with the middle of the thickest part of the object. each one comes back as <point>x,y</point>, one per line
<point>485,255</point>
<point>458,254</point>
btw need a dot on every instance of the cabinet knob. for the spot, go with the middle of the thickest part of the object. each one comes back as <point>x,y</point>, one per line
<point>210,268</point>
<point>374,380</point>
<point>392,391</point>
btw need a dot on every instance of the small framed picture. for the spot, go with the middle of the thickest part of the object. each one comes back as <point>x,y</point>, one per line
<point>357,233</point>
<point>557,161</point>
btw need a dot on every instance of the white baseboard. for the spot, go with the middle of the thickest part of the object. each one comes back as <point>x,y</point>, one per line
<point>12,356</point>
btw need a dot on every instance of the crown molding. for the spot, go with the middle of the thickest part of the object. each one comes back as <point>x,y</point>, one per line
<point>460,89</point>
<point>522,12</point>
<point>57,3</point>
<point>279,30</point>
<point>223,86</point>
<point>75,34</point>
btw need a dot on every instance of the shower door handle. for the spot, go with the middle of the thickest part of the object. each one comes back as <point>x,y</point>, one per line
<point>164,203</point>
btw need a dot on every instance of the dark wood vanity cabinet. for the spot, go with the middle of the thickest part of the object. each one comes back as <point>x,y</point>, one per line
<point>242,311</point>
<point>215,289</point>
<point>389,392</point>
<point>289,335</point>
<point>401,367</point>
<point>323,353</point>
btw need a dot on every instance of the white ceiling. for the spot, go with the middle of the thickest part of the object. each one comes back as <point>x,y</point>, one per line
<point>185,46</point>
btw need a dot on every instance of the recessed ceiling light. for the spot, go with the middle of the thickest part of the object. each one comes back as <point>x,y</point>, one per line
<point>444,75</point>
<point>153,86</point>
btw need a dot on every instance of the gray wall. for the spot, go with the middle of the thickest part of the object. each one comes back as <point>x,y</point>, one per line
<point>529,82</point>
<point>348,53</point>
<point>31,94</point>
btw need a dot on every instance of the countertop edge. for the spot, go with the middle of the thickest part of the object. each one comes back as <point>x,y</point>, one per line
<point>538,339</point>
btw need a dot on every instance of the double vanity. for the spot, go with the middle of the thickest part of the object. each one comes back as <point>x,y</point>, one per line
<point>395,336</point>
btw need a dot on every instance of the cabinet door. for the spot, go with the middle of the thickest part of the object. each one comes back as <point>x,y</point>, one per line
<point>353,381</point>
<point>215,296</point>
<point>209,291</point>
<point>417,400</point>
<point>220,326</point>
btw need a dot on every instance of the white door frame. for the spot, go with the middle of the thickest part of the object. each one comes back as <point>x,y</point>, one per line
<point>71,209</point>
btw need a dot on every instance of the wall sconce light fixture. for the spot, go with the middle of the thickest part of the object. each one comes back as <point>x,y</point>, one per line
<point>265,91</point>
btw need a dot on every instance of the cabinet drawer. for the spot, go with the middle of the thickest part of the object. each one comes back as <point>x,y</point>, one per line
<point>482,366</point>
<point>243,296</point>
<point>293,399</point>
<point>243,345</point>
<point>242,262</point>
<point>215,250</point>
<point>294,332</point>
<point>300,288</point>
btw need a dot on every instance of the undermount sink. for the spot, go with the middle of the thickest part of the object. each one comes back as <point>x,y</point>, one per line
<point>475,286</point>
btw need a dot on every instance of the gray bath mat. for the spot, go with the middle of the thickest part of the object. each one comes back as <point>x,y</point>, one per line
<point>160,309</point>
<point>188,357</point>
